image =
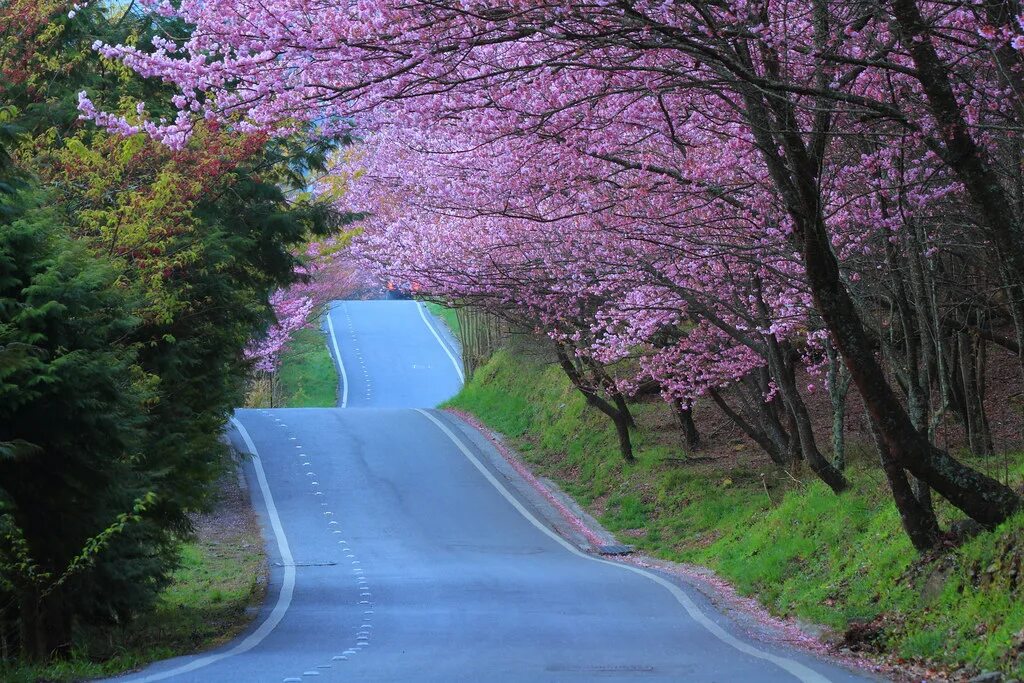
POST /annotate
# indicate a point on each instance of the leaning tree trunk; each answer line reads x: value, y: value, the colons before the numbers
x: 621, y: 419
x: 979, y: 496
x: 785, y: 379
x: 917, y: 517
x: 996, y: 210
x: 763, y: 416
x: 775, y: 451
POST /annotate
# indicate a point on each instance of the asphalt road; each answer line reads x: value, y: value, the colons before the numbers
x: 394, y: 355
x: 399, y: 554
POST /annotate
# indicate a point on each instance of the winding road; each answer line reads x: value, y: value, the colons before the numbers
x: 399, y: 552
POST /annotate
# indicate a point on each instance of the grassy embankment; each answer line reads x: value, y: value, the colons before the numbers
x: 448, y: 315
x: 803, y: 551
x: 307, y: 377
x: 221, y: 576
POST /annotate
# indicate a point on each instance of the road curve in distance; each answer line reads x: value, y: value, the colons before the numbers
x: 394, y: 354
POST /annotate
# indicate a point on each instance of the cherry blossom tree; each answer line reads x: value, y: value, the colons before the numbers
x: 715, y: 187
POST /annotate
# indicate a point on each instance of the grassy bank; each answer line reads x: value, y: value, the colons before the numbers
x: 842, y: 562
x: 448, y: 315
x: 306, y: 378
x: 221, y: 577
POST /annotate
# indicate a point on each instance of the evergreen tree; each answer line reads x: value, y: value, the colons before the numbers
x: 125, y: 307
x: 72, y: 403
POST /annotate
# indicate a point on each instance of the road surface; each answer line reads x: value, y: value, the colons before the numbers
x: 394, y: 355
x: 398, y: 554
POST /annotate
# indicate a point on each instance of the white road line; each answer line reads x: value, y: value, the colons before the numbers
x: 455, y: 363
x: 341, y: 366
x: 800, y: 671
x: 284, y: 598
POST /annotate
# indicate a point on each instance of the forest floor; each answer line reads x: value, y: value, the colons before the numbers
x: 840, y: 566
x: 213, y: 596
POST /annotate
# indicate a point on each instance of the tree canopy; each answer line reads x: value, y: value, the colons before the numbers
x: 730, y: 193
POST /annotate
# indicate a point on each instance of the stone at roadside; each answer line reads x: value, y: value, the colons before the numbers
x: 987, y: 677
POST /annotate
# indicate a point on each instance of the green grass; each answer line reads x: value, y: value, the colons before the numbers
x: 448, y: 315
x: 206, y: 605
x: 308, y: 377
x: 802, y: 550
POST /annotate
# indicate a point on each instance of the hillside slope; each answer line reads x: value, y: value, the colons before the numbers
x: 842, y: 562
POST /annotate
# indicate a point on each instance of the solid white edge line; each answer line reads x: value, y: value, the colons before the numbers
x: 800, y: 671
x: 455, y: 363
x: 284, y: 598
x: 341, y: 366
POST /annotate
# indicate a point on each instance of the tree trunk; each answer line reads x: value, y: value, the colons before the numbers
x: 622, y: 430
x: 982, y: 498
x: 918, y: 519
x: 764, y: 417
x: 45, y: 626
x: 623, y: 408
x: 602, y: 379
x: 994, y: 206
x: 684, y: 414
x: 782, y: 371
x: 979, y: 437
x: 838, y: 387
x: 777, y: 455
x: 621, y: 419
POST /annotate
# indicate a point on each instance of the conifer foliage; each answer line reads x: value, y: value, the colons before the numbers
x: 132, y: 279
